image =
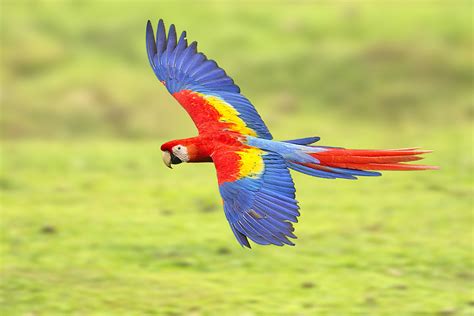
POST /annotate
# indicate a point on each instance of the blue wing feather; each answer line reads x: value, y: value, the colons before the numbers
x: 160, y: 37
x: 181, y: 67
x: 261, y: 208
x: 303, y: 141
x: 171, y: 43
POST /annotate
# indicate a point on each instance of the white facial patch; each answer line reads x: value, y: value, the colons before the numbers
x: 181, y: 152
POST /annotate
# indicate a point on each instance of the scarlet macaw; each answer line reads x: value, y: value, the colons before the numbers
x: 252, y: 169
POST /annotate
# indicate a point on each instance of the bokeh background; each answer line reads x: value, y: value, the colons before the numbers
x: 92, y: 223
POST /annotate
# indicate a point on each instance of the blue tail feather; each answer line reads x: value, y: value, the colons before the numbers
x: 303, y: 141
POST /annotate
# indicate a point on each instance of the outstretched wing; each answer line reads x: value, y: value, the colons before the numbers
x: 206, y: 92
x: 258, y: 194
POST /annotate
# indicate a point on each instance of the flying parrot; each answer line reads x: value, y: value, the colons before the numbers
x: 253, y: 170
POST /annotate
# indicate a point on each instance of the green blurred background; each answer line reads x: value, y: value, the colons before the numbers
x: 93, y: 224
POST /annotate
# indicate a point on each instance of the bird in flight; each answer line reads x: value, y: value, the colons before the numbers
x: 253, y: 174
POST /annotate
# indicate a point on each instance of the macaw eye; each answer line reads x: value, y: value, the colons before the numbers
x: 179, y: 147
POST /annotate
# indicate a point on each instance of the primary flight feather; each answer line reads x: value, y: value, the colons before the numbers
x: 252, y: 169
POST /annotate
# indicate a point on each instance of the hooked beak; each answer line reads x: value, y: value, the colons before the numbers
x: 167, y: 159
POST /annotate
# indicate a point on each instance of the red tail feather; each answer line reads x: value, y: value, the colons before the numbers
x: 361, y: 159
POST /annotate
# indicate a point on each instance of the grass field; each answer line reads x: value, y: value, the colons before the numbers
x: 93, y: 223
x: 101, y: 227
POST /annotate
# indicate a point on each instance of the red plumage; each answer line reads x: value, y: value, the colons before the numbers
x: 362, y: 159
x: 252, y: 169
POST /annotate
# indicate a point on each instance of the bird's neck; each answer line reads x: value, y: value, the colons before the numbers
x: 200, y: 148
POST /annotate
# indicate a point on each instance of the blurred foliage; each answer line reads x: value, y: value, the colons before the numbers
x: 79, y: 68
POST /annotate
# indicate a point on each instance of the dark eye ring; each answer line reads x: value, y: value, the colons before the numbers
x: 179, y: 147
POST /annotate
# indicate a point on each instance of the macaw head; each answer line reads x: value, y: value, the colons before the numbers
x: 174, y: 152
x: 184, y: 150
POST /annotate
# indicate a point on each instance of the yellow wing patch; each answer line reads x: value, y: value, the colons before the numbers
x: 251, y: 162
x: 228, y: 114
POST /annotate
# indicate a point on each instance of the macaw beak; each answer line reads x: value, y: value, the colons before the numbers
x: 167, y: 159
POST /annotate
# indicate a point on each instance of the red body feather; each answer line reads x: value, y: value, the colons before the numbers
x: 215, y: 136
x: 204, y: 115
x: 201, y: 149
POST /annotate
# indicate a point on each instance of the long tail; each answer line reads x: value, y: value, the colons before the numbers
x: 389, y: 159
x: 336, y: 162
x: 348, y: 163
